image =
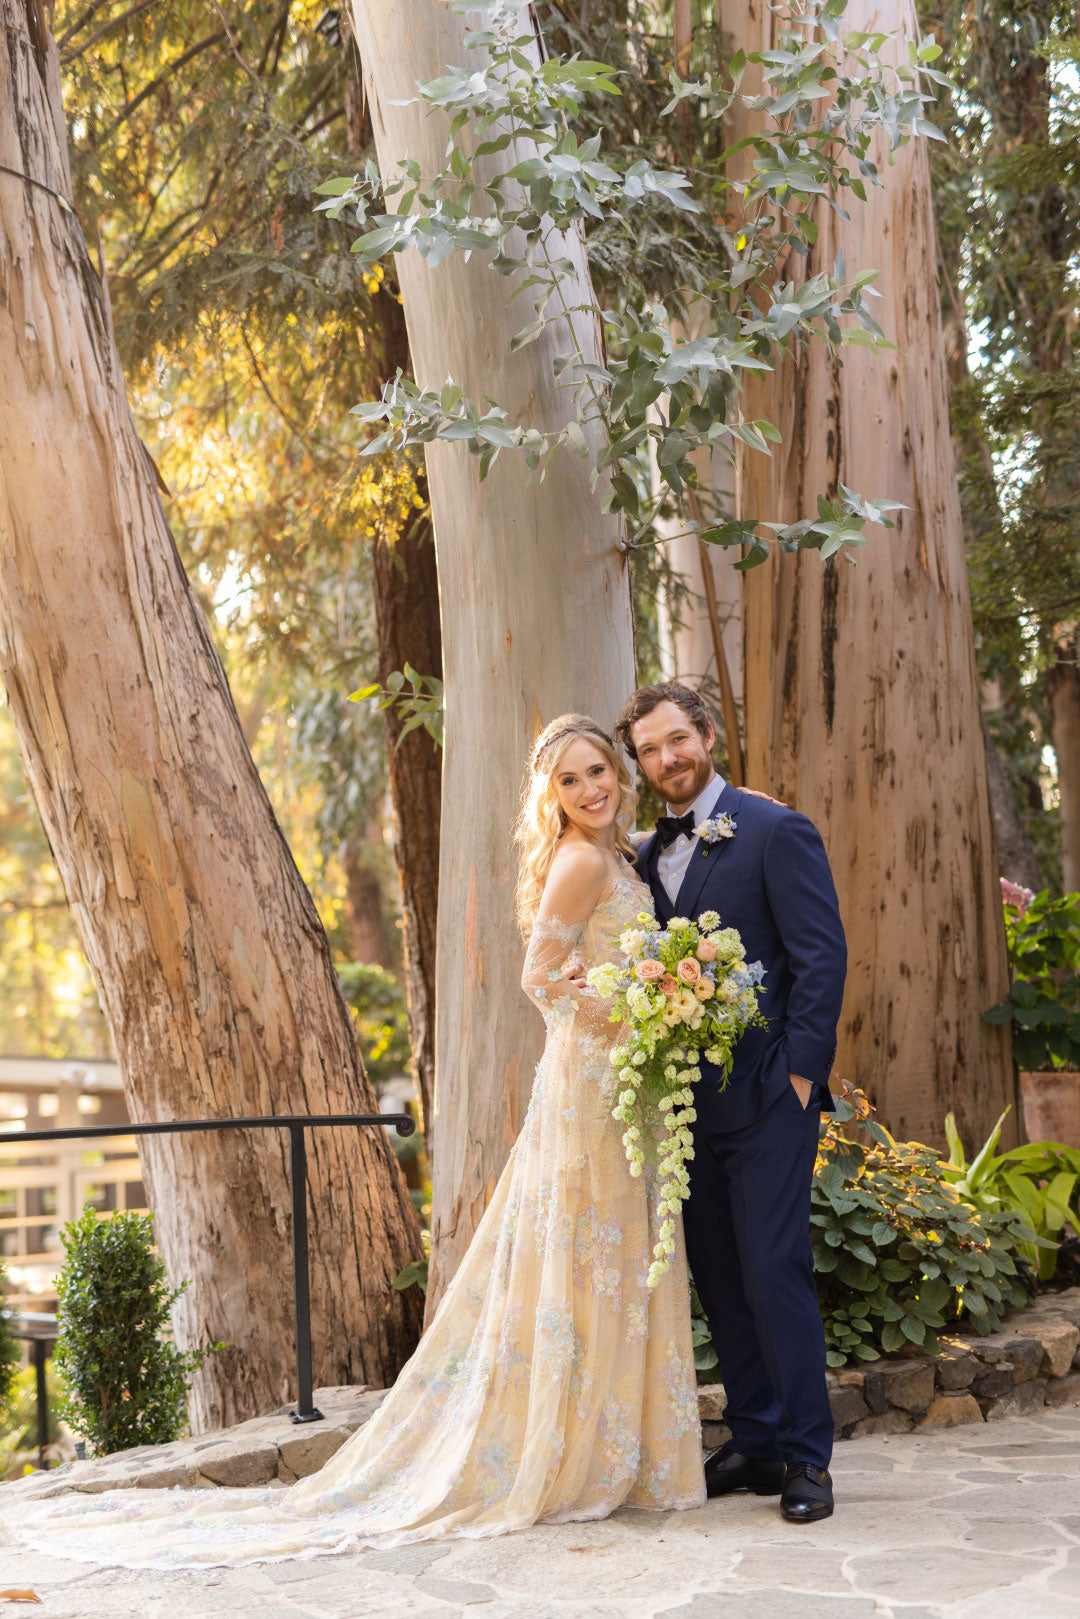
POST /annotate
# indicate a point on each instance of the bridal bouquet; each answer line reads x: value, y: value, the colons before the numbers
x: 682, y: 990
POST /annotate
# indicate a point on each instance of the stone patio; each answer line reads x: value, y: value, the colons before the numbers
x: 974, y: 1522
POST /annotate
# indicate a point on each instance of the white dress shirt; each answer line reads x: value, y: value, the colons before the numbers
x: 672, y: 862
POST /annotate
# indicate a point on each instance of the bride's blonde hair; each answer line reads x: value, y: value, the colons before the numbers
x: 542, y: 821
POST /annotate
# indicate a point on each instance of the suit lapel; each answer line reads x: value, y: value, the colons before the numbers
x: 647, y: 857
x: 704, y: 858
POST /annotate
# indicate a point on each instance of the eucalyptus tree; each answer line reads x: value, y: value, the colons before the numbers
x: 516, y: 362
x: 213, y: 968
x: 246, y: 333
x: 1007, y: 198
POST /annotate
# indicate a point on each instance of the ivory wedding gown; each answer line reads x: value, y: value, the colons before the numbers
x: 551, y: 1384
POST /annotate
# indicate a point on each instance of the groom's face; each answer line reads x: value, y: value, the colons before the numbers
x: 673, y: 754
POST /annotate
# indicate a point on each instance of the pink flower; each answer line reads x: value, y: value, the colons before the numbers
x: 689, y: 970
x: 1013, y: 894
x: 668, y: 984
x: 706, y: 950
x: 649, y: 970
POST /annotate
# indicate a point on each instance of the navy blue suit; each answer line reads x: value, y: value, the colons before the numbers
x: 747, y: 1218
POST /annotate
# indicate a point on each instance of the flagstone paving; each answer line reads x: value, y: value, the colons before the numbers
x: 979, y: 1522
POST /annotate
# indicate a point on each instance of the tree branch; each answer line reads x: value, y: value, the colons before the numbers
x: 163, y: 78
x: 132, y: 11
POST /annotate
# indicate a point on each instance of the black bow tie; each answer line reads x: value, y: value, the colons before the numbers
x: 668, y: 827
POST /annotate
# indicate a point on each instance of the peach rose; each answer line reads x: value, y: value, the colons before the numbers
x: 649, y: 970
x: 689, y: 970
x: 668, y: 984
x: 706, y: 950
x: 704, y: 989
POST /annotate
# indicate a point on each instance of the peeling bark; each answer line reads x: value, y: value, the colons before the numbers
x: 874, y: 728
x: 1063, y: 691
x: 212, y: 965
x: 536, y: 620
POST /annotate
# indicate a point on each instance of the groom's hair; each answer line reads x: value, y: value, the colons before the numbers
x: 646, y: 698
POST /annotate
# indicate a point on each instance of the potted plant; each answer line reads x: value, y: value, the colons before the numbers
x: 1043, y: 1005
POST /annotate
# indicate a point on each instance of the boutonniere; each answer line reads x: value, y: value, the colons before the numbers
x: 716, y: 830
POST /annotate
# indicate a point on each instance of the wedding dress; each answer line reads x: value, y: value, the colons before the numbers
x: 551, y: 1385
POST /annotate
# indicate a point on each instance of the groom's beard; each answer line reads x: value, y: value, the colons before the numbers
x: 687, y: 786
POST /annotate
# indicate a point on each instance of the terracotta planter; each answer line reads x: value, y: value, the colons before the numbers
x: 1051, y: 1106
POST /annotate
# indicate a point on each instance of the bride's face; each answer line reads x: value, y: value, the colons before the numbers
x: 586, y: 787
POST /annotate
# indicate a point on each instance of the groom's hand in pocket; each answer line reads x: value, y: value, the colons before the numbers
x: 803, y: 1090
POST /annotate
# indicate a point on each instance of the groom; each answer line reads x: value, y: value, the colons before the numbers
x: 747, y: 1219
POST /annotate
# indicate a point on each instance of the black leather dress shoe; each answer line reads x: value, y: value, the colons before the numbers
x: 727, y: 1470
x: 807, y: 1493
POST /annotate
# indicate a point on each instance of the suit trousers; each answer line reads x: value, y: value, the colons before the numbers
x: 747, y: 1223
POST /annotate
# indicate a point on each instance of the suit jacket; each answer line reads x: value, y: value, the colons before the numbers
x: 772, y: 882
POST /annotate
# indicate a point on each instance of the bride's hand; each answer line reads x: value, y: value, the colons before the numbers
x: 575, y: 972
x: 754, y: 792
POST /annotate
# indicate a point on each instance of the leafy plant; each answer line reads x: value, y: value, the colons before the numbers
x: 1039, y: 1181
x: 124, y: 1382
x: 420, y: 704
x: 9, y: 1346
x: 826, y: 95
x: 18, y: 1429
x: 1044, y: 1001
x: 382, y: 1021
x: 899, y: 1251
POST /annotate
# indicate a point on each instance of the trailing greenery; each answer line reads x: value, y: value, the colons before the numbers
x: 827, y: 94
x: 1038, y: 1181
x: 1044, y: 1000
x: 124, y: 1381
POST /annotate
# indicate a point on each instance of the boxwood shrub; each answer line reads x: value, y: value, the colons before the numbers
x: 124, y: 1381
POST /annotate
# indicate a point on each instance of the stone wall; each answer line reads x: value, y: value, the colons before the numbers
x: 1034, y: 1361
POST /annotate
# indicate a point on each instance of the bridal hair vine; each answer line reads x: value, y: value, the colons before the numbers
x: 547, y: 739
x: 717, y: 829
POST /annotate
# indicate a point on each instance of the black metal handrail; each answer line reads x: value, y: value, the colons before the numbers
x: 296, y: 1124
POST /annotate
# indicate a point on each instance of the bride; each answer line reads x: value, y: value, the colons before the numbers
x: 552, y: 1384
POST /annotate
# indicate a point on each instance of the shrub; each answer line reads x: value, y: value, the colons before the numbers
x: 899, y: 1252
x: 124, y: 1381
x: 18, y: 1430
x: 1043, y: 936
x: 9, y: 1347
x: 1039, y: 1181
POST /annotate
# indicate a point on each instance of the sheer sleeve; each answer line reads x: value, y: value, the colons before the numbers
x: 556, y: 937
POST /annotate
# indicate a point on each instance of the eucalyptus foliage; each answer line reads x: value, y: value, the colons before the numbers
x: 524, y: 174
x: 125, y: 1382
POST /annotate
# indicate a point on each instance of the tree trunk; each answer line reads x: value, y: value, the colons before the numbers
x: 1063, y: 690
x: 1016, y: 857
x: 861, y: 693
x: 212, y: 965
x: 536, y: 619
x: 371, y: 939
x: 406, y: 583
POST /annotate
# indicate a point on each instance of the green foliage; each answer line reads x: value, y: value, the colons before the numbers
x: 415, y: 1274
x: 898, y: 1251
x: 9, y: 1346
x: 125, y: 1383
x: 18, y: 1423
x: 1044, y: 1000
x: 562, y: 173
x: 382, y: 1024
x: 422, y: 704
x: 1006, y: 192
x: 1038, y: 1182
x: 706, y: 1360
